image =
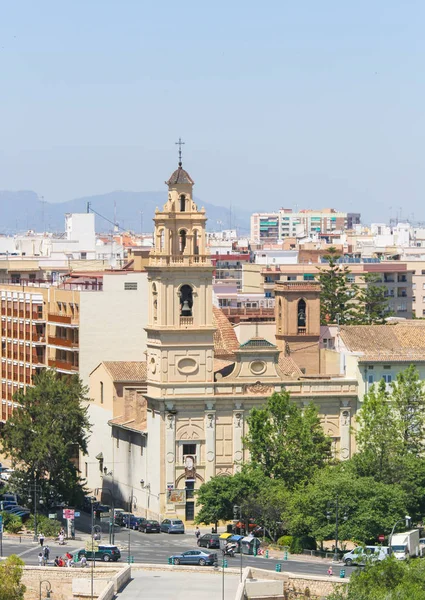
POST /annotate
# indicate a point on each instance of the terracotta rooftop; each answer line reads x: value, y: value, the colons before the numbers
x: 130, y: 424
x: 180, y: 176
x: 127, y: 371
x: 288, y: 366
x: 402, y: 341
x: 225, y: 340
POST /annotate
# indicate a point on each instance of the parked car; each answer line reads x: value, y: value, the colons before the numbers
x: 172, y: 526
x: 360, y: 555
x: 194, y: 557
x: 150, y: 526
x: 105, y: 552
x: 133, y: 522
x: 209, y: 540
x: 5, y: 473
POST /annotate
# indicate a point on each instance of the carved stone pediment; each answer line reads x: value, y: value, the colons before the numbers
x: 258, y: 388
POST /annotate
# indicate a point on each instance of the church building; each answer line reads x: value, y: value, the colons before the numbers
x: 164, y: 426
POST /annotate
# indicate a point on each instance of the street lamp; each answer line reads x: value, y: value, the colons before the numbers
x: 34, y: 488
x: 407, y: 520
x: 112, y: 519
x: 48, y: 587
x: 132, y: 501
x: 335, y: 505
x: 237, y: 510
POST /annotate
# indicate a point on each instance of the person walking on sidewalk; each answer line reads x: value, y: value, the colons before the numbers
x: 40, y: 559
x: 41, y: 539
x: 46, y: 553
x: 197, y: 533
x: 330, y: 571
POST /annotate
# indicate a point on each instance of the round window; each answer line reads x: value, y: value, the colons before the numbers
x: 187, y: 366
x: 257, y: 367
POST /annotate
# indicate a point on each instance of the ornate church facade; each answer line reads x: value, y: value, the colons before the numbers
x: 180, y: 418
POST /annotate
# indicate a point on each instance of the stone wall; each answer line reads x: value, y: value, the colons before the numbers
x: 61, y: 578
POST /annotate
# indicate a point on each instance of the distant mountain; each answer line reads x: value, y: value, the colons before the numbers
x: 22, y: 210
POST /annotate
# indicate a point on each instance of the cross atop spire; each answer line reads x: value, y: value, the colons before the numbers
x: 180, y: 144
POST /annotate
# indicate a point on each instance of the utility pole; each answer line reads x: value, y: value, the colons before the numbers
x: 238, y: 510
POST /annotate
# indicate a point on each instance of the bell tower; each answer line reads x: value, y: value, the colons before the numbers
x: 297, y: 313
x: 180, y: 346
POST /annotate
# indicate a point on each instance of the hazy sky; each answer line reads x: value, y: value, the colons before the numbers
x: 280, y: 103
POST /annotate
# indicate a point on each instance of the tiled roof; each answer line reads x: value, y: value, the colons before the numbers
x: 402, y: 341
x: 225, y: 340
x: 180, y: 176
x: 258, y: 343
x: 126, y: 423
x: 288, y: 366
x: 127, y: 371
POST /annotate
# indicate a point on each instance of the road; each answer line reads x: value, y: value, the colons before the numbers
x: 155, y: 548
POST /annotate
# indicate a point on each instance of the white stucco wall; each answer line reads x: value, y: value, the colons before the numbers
x: 112, y: 322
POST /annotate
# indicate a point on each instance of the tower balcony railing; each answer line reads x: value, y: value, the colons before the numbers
x: 186, y: 321
x: 179, y: 259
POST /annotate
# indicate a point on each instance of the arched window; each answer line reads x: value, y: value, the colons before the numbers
x: 186, y: 301
x: 155, y: 302
x: 182, y: 203
x: 161, y: 239
x: 182, y: 240
x: 302, y: 316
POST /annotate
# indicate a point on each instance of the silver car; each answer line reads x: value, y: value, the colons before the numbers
x: 172, y: 526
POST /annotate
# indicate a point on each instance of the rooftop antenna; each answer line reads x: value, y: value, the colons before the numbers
x: 180, y: 144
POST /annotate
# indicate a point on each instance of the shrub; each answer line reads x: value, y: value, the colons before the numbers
x: 11, y: 523
x: 50, y: 527
x: 299, y: 544
x: 285, y: 540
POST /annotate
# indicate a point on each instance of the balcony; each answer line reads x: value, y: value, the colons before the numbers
x: 63, y: 365
x: 63, y: 342
x: 179, y: 259
x: 61, y: 318
x: 185, y: 321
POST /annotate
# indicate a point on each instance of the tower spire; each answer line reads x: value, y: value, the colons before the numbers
x: 180, y: 144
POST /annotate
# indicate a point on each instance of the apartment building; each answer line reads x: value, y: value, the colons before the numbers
x: 395, y: 276
x: 275, y: 227
x: 70, y: 326
x: 265, y: 227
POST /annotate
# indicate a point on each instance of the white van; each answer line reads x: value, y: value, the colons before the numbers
x: 362, y: 554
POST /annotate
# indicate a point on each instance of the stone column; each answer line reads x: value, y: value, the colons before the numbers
x: 210, y: 419
x: 345, y: 430
x: 238, y: 431
x: 170, y: 445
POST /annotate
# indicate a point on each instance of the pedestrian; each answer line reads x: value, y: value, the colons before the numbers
x: 68, y: 559
x: 330, y: 571
x: 41, y: 539
x: 83, y: 561
x: 197, y: 533
x: 40, y: 559
x: 56, y: 561
x: 61, y: 562
x: 46, y: 553
x: 61, y: 539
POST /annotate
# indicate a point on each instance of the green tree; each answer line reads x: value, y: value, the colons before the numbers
x: 366, y: 508
x: 377, y: 436
x: 44, y: 434
x: 285, y: 441
x: 262, y: 499
x: 338, y: 295
x: 372, y: 303
x: 408, y: 403
x: 11, y: 587
x: 389, y: 579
